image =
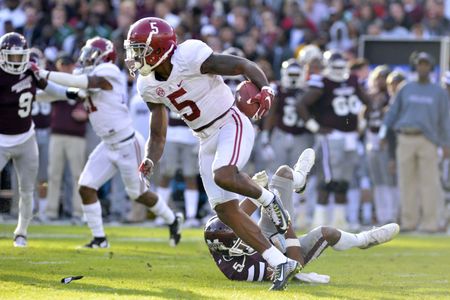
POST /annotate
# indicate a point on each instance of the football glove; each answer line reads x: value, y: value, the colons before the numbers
x: 264, y: 99
x: 261, y: 179
x: 146, y: 170
x: 76, y: 94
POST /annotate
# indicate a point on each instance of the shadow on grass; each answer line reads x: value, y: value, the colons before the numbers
x: 167, y: 293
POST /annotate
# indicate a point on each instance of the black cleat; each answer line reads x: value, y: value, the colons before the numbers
x: 97, y: 242
x: 175, y: 230
x: 276, y: 212
x: 283, y: 273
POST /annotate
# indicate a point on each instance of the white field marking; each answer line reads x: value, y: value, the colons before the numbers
x: 49, y: 262
x: 118, y: 239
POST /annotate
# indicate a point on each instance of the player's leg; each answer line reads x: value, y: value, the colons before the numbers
x: 324, y: 178
x: 189, y: 162
x: 98, y: 170
x: 55, y: 172
x: 76, y: 159
x: 128, y: 158
x: 234, y: 144
x: 26, y: 160
x: 42, y: 138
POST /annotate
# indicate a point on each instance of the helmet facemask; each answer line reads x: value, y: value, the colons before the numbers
x: 90, y: 57
x: 337, y: 70
x: 15, y: 60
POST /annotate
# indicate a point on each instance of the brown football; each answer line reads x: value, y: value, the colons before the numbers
x: 245, y: 91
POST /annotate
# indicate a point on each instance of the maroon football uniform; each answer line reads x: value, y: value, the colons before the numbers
x: 339, y: 105
x: 243, y: 268
x: 287, y: 118
x: 17, y: 93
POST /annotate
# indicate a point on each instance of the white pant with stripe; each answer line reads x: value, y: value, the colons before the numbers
x: 107, y: 159
x: 229, y: 141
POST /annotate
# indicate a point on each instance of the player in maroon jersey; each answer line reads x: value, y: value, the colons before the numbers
x: 18, y: 83
x: 330, y: 107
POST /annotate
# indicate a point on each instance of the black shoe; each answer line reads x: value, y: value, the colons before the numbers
x: 98, y: 242
x: 175, y: 230
x: 276, y: 212
x: 283, y: 273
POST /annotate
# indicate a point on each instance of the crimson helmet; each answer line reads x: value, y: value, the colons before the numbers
x: 221, y: 239
x: 336, y: 66
x: 309, y: 53
x: 97, y: 50
x: 149, y: 43
x: 37, y: 57
x: 14, y: 53
x: 292, y: 75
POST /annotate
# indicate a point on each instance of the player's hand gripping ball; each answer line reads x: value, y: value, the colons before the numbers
x: 251, y: 101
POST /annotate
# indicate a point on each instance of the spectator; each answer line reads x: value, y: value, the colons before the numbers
x: 12, y: 14
x: 420, y: 116
x: 67, y: 142
x: 32, y: 28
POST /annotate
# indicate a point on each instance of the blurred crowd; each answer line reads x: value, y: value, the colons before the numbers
x: 267, y: 32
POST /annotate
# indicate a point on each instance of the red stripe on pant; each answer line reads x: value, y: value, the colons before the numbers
x: 238, y: 139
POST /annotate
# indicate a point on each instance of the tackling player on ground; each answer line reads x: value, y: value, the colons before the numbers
x: 238, y: 261
x: 185, y: 78
x: 121, y: 148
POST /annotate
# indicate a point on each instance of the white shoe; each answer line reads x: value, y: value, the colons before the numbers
x: 20, y: 241
x: 304, y: 164
x: 380, y: 235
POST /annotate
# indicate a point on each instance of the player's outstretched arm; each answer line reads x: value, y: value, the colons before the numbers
x: 158, y: 130
x: 81, y: 81
x: 55, y: 92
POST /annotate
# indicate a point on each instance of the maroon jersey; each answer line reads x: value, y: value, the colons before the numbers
x: 17, y: 93
x: 243, y: 268
x: 62, y: 121
x: 338, y: 107
x: 40, y: 113
x: 287, y: 118
x: 175, y: 119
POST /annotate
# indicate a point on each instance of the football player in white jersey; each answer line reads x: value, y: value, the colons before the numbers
x: 186, y: 78
x: 121, y: 148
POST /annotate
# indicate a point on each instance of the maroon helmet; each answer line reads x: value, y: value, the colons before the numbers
x: 221, y: 239
x: 14, y: 53
x: 97, y: 50
x: 150, y: 42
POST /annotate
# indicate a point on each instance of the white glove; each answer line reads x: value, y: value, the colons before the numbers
x: 261, y: 179
x: 313, y: 278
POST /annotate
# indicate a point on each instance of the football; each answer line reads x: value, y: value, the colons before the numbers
x: 245, y: 91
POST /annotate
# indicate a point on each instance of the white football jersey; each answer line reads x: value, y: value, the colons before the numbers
x: 198, y: 98
x: 108, y: 111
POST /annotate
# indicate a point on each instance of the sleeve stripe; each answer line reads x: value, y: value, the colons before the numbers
x: 262, y: 271
x: 251, y: 273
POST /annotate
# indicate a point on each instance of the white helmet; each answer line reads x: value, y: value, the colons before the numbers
x: 336, y: 66
x: 309, y: 53
x: 292, y: 75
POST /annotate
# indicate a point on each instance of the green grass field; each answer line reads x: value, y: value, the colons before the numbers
x: 140, y: 264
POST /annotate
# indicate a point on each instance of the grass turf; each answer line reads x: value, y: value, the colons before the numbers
x: 140, y: 264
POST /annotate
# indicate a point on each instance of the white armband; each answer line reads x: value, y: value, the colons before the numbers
x: 80, y: 81
x: 312, y: 125
x: 292, y: 243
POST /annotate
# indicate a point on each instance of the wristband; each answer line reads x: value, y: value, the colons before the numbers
x: 312, y: 125
x: 292, y: 243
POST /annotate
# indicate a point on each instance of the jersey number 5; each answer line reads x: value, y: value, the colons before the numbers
x: 25, y: 101
x: 195, y: 111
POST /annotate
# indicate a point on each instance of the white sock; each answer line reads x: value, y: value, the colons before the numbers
x: 265, y: 198
x: 349, y: 240
x: 298, y: 180
x: 367, y: 212
x: 161, y: 209
x: 93, y: 214
x: 273, y: 256
x: 25, y: 213
x: 339, y: 213
x: 320, y: 216
x: 164, y: 193
x: 191, y: 203
x: 42, y: 206
x: 353, y: 196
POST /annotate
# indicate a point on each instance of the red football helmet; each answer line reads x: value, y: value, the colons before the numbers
x: 221, y: 239
x: 97, y: 50
x: 14, y: 53
x: 150, y: 42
